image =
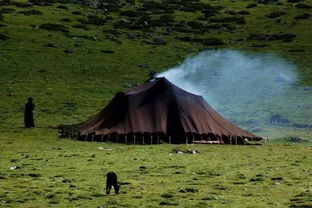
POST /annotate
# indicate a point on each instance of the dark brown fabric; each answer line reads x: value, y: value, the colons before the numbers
x: 159, y: 107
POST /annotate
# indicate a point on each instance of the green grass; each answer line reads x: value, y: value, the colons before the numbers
x: 68, y: 173
x: 68, y: 88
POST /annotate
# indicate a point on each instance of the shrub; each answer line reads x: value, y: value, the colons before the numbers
x: 7, y: 10
x: 213, y: 42
x: 76, y: 13
x: 286, y: 37
x: 66, y: 20
x: 62, y: 7
x: 94, y: 20
x: 303, y: 6
x: 54, y: 27
x: 30, y: 12
x: 238, y: 20
x: 4, y: 37
x: 276, y: 14
x: 303, y: 16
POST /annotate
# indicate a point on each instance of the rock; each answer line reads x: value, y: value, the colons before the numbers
x: 159, y: 41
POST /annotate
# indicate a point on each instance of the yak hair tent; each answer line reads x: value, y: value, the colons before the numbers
x: 158, y: 111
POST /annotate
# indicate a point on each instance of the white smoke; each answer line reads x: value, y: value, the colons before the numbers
x: 239, y: 85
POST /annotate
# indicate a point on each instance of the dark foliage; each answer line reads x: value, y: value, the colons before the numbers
x: 267, y: 1
x: 66, y: 20
x: 54, y: 27
x: 62, y: 7
x: 76, y: 13
x: 251, y: 6
x: 294, y: 1
x: 4, y: 37
x: 94, y: 20
x: 235, y: 19
x: 81, y: 26
x: 7, y: 11
x: 31, y: 12
x: 286, y: 37
x: 304, y: 6
x: 303, y: 16
x: 276, y: 14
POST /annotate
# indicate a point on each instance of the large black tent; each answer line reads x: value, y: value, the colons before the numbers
x: 157, y: 111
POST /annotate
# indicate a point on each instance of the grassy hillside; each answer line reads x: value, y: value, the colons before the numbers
x: 72, y: 59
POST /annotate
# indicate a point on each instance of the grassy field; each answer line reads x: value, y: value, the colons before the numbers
x: 72, y: 60
x: 55, y: 172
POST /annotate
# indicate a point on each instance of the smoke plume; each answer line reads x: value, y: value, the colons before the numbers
x: 245, y: 88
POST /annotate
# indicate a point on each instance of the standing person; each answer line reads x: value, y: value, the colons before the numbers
x: 29, y: 117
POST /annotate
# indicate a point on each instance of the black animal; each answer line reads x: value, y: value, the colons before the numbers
x: 111, y: 181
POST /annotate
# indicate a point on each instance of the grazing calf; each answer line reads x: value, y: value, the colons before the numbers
x: 111, y: 180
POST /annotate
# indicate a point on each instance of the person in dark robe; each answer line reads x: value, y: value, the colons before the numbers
x: 29, y: 117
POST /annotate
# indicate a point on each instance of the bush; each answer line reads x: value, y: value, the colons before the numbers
x: 276, y: 14
x: 4, y: 37
x: 303, y: 16
x: 213, y: 42
x: 62, y: 7
x: 30, y: 12
x: 303, y: 6
x: 286, y: 37
x: 238, y: 20
x: 54, y: 27
x: 94, y: 20
x: 7, y: 10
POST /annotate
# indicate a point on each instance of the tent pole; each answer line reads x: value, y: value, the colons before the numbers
x: 143, y: 139
x: 169, y: 139
x: 186, y: 139
x: 157, y: 137
x: 231, y: 139
x: 108, y: 138
x: 134, y: 137
x: 126, y: 139
x: 102, y: 138
x: 86, y: 137
x: 92, y: 137
x: 236, y: 140
x: 151, y: 138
